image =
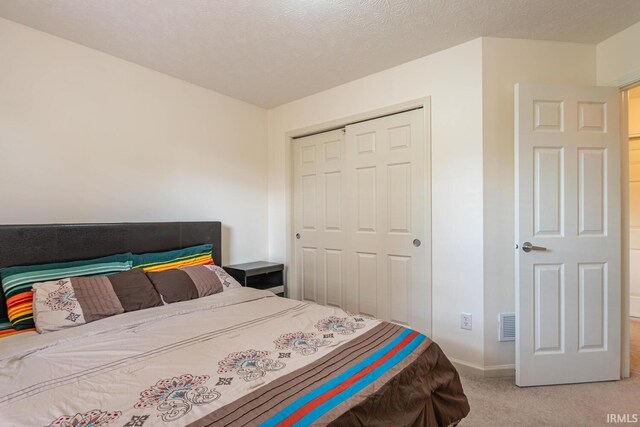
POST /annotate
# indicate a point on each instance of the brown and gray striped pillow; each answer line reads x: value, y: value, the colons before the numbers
x: 75, y: 301
x: 186, y: 283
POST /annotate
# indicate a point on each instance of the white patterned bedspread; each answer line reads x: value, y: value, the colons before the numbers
x: 172, y: 364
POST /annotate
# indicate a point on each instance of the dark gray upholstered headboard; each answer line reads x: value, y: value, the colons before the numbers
x: 39, y: 244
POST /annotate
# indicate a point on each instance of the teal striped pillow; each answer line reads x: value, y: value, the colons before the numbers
x: 18, y: 281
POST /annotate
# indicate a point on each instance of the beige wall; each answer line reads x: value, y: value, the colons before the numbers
x: 86, y: 137
x: 619, y: 58
x: 505, y: 63
x: 453, y: 79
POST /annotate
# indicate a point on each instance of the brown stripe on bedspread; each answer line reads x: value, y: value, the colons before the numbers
x: 261, y: 404
x: 428, y: 392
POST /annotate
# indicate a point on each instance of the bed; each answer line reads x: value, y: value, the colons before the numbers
x: 240, y: 357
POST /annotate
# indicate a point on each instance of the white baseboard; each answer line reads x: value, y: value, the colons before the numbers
x: 491, y: 371
x: 495, y: 371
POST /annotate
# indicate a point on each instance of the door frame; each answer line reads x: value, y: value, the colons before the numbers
x: 289, y: 136
x: 625, y: 260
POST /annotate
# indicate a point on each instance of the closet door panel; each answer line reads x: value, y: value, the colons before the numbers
x: 334, y: 277
x: 386, y: 219
x: 319, y: 217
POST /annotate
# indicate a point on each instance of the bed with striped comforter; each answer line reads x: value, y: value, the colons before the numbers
x: 242, y: 357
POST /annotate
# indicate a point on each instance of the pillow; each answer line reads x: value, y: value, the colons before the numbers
x: 17, y: 282
x: 186, y: 283
x: 134, y: 290
x: 6, y: 328
x: 228, y: 282
x: 161, y: 261
x: 74, y: 301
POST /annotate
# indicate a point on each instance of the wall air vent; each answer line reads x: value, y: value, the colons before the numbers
x: 507, y: 326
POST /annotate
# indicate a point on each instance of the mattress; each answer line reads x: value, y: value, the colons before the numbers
x: 240, y: 357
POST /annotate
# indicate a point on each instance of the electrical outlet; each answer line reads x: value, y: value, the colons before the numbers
x: 465, y: 321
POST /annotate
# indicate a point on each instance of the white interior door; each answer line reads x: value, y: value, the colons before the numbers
x: 567, y: 201
x: 319, y: 217
x: 387, y: 213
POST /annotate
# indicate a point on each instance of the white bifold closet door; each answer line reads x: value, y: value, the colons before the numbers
x: 360, y: 215
x: 319, y: 214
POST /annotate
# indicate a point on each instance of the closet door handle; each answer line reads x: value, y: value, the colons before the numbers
x: 417, y: 243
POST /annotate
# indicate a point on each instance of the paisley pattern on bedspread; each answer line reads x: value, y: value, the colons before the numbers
x: 174, y: 397
x: 249, y: 364
x: 93, y: 418
x: 340, y: 325
x: 300, y: 342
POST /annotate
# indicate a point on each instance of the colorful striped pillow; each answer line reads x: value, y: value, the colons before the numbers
x: 161, y: 261
x: 17, y: 282
x: 6, y: 328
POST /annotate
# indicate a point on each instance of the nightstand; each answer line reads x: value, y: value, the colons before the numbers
x: 260, y: 275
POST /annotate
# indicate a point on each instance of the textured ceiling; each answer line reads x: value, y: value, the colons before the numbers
x: 269, y: 52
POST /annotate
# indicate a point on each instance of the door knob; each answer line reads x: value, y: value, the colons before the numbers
x: 298, y: 236
x: 417, y: 243
x: 528, y: 247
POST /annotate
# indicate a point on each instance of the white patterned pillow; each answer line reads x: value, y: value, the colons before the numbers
x: 56, y: 306
x: 227, y: 281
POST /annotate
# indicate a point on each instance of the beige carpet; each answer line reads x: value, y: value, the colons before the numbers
x: 499, y: 402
